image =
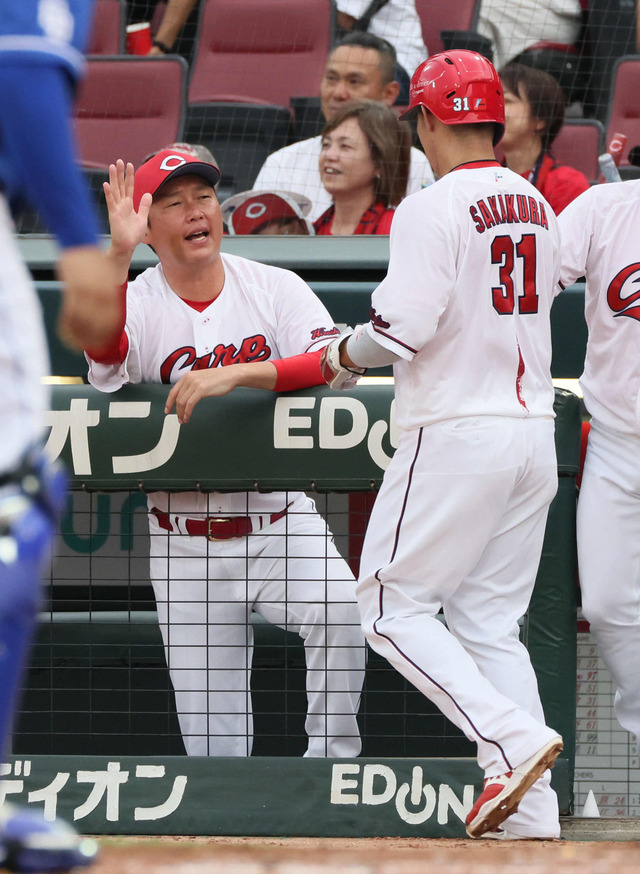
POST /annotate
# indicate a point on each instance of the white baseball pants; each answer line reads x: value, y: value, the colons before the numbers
x: 292, y: 575
x: 23, y: 352
x: 459, y: 525
x: 608, y: 529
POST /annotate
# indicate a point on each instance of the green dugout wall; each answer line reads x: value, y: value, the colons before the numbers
x: 342, y: 271
x: 316, y: 440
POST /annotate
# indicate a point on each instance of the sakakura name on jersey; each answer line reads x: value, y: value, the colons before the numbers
x: 502, y: 209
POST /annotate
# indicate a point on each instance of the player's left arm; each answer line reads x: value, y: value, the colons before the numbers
x: 216, y: 382
x: 575, y: 223
x: 303, y: 328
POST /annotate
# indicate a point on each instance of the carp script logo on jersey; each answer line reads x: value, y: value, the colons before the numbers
x: 622, y: 297
x: 253, y: 348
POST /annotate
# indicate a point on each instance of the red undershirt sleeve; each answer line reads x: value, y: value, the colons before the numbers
x: 298, y: 371
x: 117, y: 350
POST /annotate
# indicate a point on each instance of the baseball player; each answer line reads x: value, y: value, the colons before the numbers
x: 215, y: 557
x: 600, y: 241
x: 40, y: 59
x: 463, y: 314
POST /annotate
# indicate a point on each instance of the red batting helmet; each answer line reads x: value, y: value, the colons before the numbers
x: 459, y: 87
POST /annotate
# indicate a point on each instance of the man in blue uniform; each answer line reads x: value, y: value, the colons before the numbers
x: 40, y: 63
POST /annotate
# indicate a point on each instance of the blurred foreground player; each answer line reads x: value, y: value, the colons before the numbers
x: 463, y: 314
x: 40, y: 60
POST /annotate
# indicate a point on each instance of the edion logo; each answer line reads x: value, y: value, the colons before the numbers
x: 415, y: 801
x: 623, y: 294
x: 172, y: 161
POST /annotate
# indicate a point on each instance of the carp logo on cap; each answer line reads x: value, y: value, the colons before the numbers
x: 255, y: 210
x: 172, y: 161
x: 248, y: 211
x: 166, y: 165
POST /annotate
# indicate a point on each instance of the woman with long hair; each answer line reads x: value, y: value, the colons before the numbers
x: 364, y: 165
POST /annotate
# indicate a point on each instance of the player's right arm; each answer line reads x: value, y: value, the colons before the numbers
x: 127, y: 226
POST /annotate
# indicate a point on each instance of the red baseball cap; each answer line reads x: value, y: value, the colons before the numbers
x: 166, y: 165
x: 247, y: 211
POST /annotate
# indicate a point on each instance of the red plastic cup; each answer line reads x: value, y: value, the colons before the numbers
x: 138, y: 39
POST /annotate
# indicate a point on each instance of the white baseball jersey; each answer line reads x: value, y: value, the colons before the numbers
x: 295, y: 168
x: 514, y: 27
x: 398, y: 23
x: 462, y: 303
x: 600, y: 240
x: 459, y: 521
x: 263, y: 313
x: 289, y: 572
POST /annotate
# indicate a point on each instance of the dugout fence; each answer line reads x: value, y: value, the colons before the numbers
x: 97, y: 681
x: 98, y: 740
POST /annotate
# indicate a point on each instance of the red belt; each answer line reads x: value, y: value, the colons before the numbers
x: 218, y: 527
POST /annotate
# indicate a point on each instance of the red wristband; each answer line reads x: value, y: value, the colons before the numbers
x: 299, y: 371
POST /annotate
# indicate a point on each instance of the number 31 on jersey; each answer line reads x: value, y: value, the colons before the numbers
x: 511, y: 256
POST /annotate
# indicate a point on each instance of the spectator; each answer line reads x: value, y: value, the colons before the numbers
x: 216, y: 557
x: 534, y: 112
x: 176, y: 32
x: 515, y: 27
x: 267, y: 213
x: 364, y: 165
x: 398, y: 22
x: 360, y: 67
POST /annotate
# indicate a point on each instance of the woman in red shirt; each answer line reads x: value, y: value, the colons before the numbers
x: 534, y: 113
x: 364, y: 165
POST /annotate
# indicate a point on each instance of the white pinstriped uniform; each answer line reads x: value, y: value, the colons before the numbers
x: 460, y: 518
x: 600, y: 241
x: 290, y: 572
x: 23, y: 352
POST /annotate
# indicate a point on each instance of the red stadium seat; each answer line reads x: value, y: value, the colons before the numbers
x: 578, y: 144
x: 130, y: 106
x: 107, y: 33
x: 438, y: 15
x: 624, y: 104
x: 260, y: 52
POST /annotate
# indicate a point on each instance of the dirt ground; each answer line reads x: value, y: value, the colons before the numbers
x: 218, y: 855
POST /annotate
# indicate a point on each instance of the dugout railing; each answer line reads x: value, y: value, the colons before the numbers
x: 99, y: 708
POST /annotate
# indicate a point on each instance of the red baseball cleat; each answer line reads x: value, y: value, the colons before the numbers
x: 501, y: 795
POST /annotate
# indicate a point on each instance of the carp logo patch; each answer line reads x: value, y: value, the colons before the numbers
x: 623, y: 294
x: 171, y: 162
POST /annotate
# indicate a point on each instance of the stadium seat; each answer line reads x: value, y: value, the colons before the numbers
x: 437, y: 16
x: 241, y: 136
x: 130, y: 106
x: 611, y: 30
x: 578, y: 144
x: 263, y: 52
x: 624, y: 105
x: 107, y: 33
x: 309, y: 120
